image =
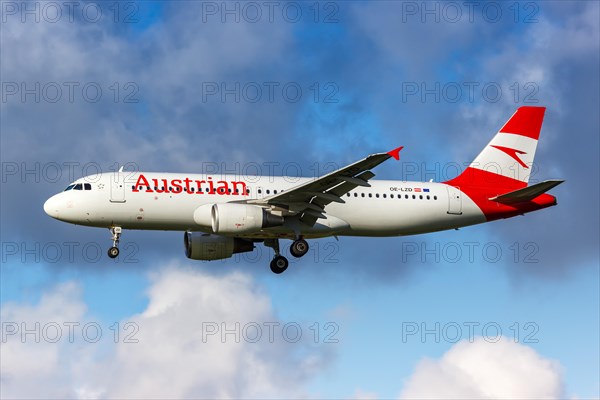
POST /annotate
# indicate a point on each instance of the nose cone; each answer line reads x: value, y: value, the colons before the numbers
x: 51, y: 207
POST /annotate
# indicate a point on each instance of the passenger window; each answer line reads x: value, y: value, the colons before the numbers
x: 406, y: 196
x: 87, y: 186
x: 427, y: 197
x: 370, y: 194
x: 420, y: 197
x: 362, y: 195
x: 377, y: 195
x: 275, y: 191
x: 435, y: 197
x: 259, y: 191
x: 414, y: 197
x: 384, y: 195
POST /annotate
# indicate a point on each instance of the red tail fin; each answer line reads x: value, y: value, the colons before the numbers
x: 504, y: 166
x: 506, y: 161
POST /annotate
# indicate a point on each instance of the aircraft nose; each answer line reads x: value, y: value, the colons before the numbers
x: 51, y: 207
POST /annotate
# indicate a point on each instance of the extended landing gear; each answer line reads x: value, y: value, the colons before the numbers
x: 279, y: 262
x: 299, y: 248
x: 113, y: 252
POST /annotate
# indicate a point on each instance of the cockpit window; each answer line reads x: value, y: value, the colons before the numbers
x: 87, y: 186
x: 69, y: 187
x: 79, y: 186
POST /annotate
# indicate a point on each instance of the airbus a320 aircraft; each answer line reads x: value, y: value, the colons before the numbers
x: 226, y: 215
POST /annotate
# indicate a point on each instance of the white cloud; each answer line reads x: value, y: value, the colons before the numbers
x: 171, y: 358
x: 30, y: 364
x: 481, y: 369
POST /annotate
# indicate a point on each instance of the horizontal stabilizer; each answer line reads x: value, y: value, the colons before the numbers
x: 526, y: 194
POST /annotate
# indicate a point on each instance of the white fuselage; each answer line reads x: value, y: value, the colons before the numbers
x: 386, y: 208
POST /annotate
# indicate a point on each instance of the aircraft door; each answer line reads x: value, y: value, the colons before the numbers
x: 454, y: 200
x: 117, y: 188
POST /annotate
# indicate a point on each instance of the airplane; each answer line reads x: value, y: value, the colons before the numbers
x: 227, y: 215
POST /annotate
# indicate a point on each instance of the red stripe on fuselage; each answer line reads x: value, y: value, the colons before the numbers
x: 480, y: 186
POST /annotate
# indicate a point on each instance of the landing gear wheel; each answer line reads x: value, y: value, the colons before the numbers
x: 113, y: 252
x: 279, y: 264
x: 299, y: 248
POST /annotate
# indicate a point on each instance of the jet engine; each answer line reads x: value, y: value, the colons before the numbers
x: 234, y: 218
x: 204, y: 246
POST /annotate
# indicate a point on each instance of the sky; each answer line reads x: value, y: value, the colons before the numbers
x: 509, y: 309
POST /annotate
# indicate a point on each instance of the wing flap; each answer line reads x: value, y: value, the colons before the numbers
x: 339, y: 191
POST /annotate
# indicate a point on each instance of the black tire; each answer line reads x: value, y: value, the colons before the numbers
x: 113, y: 252
x: 279, y: 264
x: 299, y: 248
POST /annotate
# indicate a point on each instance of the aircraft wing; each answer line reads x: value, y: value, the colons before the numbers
x: 310, y: 199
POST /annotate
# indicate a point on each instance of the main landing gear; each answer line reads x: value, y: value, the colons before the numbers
x: 299, y: 248
x: 279, y: 263
x: 113, y: 252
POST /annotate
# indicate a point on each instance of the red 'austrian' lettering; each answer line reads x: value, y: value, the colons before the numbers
x: 189, y: 186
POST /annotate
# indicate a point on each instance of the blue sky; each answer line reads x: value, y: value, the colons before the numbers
x: 357, y: 65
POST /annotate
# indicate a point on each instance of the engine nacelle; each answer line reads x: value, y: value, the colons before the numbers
x: 204, y: 246
x: 232, y: 218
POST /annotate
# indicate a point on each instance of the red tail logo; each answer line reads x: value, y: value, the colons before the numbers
x: 513, y: 153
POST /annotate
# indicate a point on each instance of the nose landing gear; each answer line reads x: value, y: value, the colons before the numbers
x: 113, y: 252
